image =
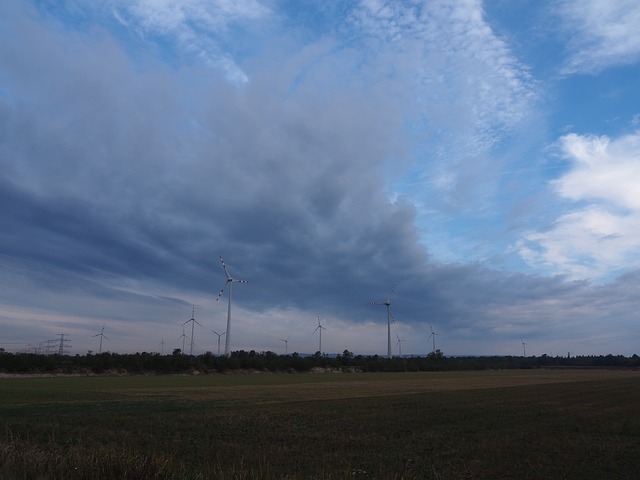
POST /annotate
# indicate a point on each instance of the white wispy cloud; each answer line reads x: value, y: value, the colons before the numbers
x: 603, y: 33
x: 453, y: 48
x: 195, y: 26
x: 601, y: 237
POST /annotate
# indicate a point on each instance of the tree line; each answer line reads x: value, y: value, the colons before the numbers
x: 238, y: 361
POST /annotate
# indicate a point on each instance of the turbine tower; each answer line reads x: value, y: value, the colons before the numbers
x: 319, y: 328
x: 433, y: 337
x: 219, y: 335
x: 389, y: 319
x: 230, y: 281
x: 524, y: 348
x: 193, y: 324
x: 101, y: 335
x: 286, y: 344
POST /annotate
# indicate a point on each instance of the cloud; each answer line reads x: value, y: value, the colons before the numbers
x: 601, y: 236
x: 603, y: 34
x: 199, y: 28
x: 461, y: 70
x: 603, y: 170
x: 466, y: 94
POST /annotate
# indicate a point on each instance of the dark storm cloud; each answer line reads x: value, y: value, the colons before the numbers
x: 108, y: 174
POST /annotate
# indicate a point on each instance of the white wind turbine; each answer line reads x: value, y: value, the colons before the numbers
x: 524, y: 348
x: 286, y: 344
x: 433, y: 338
x: 389, y: 319
x: 193, y: 324
x: 219, y: 335
x: 183, y: 337
x: 230, y: 281
x: 101, y: 335
x: 399, y: 344
x: 319, y: 328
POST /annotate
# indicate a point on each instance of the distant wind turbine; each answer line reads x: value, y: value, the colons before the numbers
x: 433, y: 337
x: 319, y: 328
x: 219, y: 335
x: 230, y: 281
x: 162, y: 346
x: 389, y: 318
x: 286, y: 344
x: 524, y: 348
x: 399, y: 344
x: 183, y: 336
x: 101, y: 335
x: 193, y: 324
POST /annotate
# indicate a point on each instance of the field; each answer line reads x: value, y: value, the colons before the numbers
x: 522, y: 424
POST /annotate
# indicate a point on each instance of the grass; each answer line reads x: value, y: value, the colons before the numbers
x: 467, y: 425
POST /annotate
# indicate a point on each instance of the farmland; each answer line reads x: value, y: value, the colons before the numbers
x: 487, y: 424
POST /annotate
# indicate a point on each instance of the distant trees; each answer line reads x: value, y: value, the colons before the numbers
x: 177, y: 362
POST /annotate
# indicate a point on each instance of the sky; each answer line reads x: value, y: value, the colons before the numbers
x: 480, y: 158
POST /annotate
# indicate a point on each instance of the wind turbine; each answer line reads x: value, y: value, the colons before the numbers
x: 524, y: 348
x: 183, y: 336
x: 389, y: 319
x: 399, y: 344
x: 230, y: 281
x: 433, y: 337
x: 162, y: 346
x: 193, y: 324
x: 286, y: 344
x: 319, y: 328
x: 101, y: 335
x: 219, y: 335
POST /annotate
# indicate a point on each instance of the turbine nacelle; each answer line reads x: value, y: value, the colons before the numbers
x: 387, y: 303
x: 319, y: 327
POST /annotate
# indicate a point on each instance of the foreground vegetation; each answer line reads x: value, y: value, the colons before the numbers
x: 573, y: 424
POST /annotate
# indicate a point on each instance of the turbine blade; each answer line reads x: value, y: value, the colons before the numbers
x: 226, y: 272
x: 222, y: 290
x: 391, y: 293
